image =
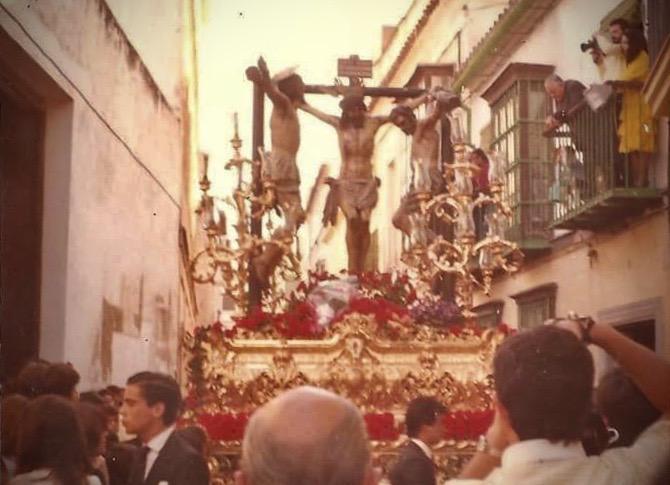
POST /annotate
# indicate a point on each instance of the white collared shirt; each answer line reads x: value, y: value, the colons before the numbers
x: 539, y: 451
x: 424, y: 447
x: 155, y: 445
x: 540, y: 462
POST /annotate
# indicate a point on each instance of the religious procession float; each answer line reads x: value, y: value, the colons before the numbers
x: 378, y: 339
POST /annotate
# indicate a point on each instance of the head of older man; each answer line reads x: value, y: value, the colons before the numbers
x: 306, y: 436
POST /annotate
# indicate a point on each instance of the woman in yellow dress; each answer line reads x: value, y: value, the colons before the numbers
x: 636, y: 126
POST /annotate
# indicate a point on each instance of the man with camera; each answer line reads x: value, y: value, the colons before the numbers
x: 605, y: 52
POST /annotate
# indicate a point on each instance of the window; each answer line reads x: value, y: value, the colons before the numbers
x: 643, y: 332
x: 536, y: 305
x: 489, y: 314
x: 519, y: 106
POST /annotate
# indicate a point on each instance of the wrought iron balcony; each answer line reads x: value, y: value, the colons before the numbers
x: 594, y: 186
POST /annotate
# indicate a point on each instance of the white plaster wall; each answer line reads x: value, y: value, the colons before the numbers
x: 631, y: 266
x: 122, y: 212
x: 154, y: 28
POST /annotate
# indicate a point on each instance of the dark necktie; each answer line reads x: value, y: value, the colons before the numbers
x: 137, y: 477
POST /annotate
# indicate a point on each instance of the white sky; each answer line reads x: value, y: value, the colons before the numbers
x: 310, y: 33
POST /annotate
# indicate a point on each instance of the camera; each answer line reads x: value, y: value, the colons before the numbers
x: 589, y: 44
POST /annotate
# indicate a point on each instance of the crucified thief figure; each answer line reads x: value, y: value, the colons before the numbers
x: 428, y: 179
x: 355, y: 191
x: 286, y: 91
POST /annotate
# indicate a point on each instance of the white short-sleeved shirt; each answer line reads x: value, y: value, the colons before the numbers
x: 540, y: 462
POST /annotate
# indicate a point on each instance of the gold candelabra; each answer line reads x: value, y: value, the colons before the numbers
x: 473, y: 262
x: 226, y: 261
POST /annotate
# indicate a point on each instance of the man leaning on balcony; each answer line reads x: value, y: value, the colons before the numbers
x: 543, y: 380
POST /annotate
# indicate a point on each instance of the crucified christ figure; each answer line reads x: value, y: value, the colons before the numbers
x: 285, y: 90
x: 355, y: 191
x: 428, y: 179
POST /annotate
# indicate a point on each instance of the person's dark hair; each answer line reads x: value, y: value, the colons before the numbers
x: 406, y: 112
x: 114, y: 390
x: 194, y: 436
x: 402, y: 110
x: 60, y: 379
x: 157, y: 387
x: 12, y: 408
x: 117, y: 394
x: 422, y: 411
x: 347, y: 104
x: 293, y: 87
x: 51, y: 437
x: 94, y: 424
x: 481, y: 154
x: 624, y: 406
x: 636, y: 44
x: 543, y: 377
x: 595, y: 436
x: 30, y: 380
x: 352, y: 101
x: 623, y: 23
x: 92, y: 397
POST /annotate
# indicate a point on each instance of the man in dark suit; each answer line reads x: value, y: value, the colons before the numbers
x: 425, y: 428
x: 151, y: 404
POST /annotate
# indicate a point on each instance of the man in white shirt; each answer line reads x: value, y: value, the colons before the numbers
x: 543, y: 383
x: 425, y: 428
x: 151, y: 405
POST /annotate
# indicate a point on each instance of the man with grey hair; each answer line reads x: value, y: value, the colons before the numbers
x: 566, y: 95
x: 306, y: 436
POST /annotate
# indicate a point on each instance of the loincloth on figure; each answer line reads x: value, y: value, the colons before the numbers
x: 428, y: 178
x: 280, y: 166
x: 282, y: 171
x: 356, y: 198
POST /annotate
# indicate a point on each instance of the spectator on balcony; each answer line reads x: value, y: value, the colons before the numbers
x: 567, y: 95
x: 636, y: 126
x: 606, y: 52
x: 480, y: 183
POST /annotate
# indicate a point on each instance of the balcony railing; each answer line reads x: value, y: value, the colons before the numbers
x: 593, y: 184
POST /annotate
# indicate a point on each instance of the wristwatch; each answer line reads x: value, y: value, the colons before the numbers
x: 483, y: 447
x: 585, y: 324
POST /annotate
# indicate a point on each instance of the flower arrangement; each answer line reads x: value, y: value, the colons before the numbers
x: 467, y: 425
x: 459, y: 425
x: 224, y: 426
x: 381, y: 426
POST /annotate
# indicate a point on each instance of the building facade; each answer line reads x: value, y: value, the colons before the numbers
x: 97, y: 161
x: 601, y: 247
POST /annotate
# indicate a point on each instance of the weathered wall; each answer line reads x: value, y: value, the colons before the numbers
x: 119, y: 285
x: 628, y: 267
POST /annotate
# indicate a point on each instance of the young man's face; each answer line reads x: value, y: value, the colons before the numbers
x: 616, y: 32
x: 137, y: 416
x: 434, y: 433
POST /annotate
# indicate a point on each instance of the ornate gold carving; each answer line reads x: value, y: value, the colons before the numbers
x: 357, y: 359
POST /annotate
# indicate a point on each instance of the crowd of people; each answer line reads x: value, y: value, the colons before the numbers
x: 52, y: 435
x: 550, y: 427
x: 623, y: 64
